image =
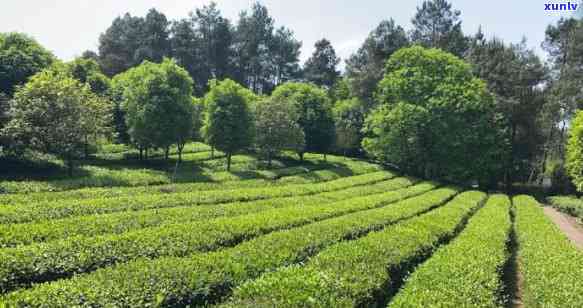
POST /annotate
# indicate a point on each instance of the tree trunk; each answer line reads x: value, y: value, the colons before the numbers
x: 269, y: 160
x: 180, y: 148
x: 325, y: 158
x: 301, y: 155
x: 86, y: 147
x: 166, y: 152
x: 212, y: 152
x: 141, y: 156
x: 70, y: 165
x: 228, y: 161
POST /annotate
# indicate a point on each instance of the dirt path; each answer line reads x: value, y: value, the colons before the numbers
x: 567, y: 224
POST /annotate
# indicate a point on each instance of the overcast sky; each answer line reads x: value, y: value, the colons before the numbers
x: 68, y: 27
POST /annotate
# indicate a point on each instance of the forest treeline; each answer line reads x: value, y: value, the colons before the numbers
x: 434, y: 101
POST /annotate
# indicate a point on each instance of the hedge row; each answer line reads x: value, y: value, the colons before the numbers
x: 23, y: 265
x: 115, y: 223
x: 550, y: 264
x: 55, y: 210
x: 468, y: 272
x: 362, y: 272
x: 304, y: 175
x: 570, y: 205
x: 204, y: 278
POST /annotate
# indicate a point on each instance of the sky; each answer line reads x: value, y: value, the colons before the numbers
x: 69, y: 27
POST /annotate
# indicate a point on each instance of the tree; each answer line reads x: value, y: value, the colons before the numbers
x: 54, y: 113
x: 365, y: 68
x: 574, y: 153
x: 197, y: 118
x: 436, y: 25
x: 564, y: 44
x: 452, y: 130
x: 20, y: 58
x: 88, y: 71
x: 315, y: 114
x: 228, y: 124
x: 202, y: 44
x: 321, y: 67
x: 396, y: 135
x: 130, y: 40
x: 263, y: 58
x: 285, y: 54
x: 277, y: 128
x: 4, y: 105
x: 349, y: 116
x: 515, y: 75
x: 253, y: 37
x: 157, y: 102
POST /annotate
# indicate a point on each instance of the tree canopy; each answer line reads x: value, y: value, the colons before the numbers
x: 277, y: 128
x: 228, y: 124
x: 321, y: 67
x: 455, y: 134
x: 437, y: 25
x: 20, y: 57
x: 54, y: 113
x: 315, y: 114
x: 157, y: 101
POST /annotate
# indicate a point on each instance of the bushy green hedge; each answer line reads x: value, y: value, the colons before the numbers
x: 305, y: 175
x: 23, y: 265
x: 359, y: 273
x: 42, y: 211
x: 550, y: 264
x: 93, y: 225
x: 568, y: 204
x: 467, y: 272
x: 204, y: 278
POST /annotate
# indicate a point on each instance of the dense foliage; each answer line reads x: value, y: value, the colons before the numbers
x: 20, y: 57
x: 444, y: 126
x: 157, y: 102
x: 315, y: 114
x: 574, y: 153
x: 54, y: 113
x: 277, y: 128
x: 228, y: 124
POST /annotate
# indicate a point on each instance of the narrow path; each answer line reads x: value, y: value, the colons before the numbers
x: 567, y: 224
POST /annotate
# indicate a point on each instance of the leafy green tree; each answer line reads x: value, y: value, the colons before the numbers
x: 54, y: 113
x: 131, y: 39
x: 285, y: 54
x: 396, y: 135
x: 228, y: 124
x: 88, y: 71
x: 564, y: 45
x: 264, y: 58
x: 340, y: 90
x: 451, y: 114
x: 254, y: 32
x: 157, y: 101
x: 349, y: 116
x: 514, y: 75
x: 321, y: 67
x: 277, y: 128
x: 20, y: 58
x: 365, y: 68
x: 436, y: 25
x: 574, y: 152
x: 202, y: 44
x: 315, y: 114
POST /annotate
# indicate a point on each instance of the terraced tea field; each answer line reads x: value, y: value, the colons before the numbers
x: 340, y: 233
